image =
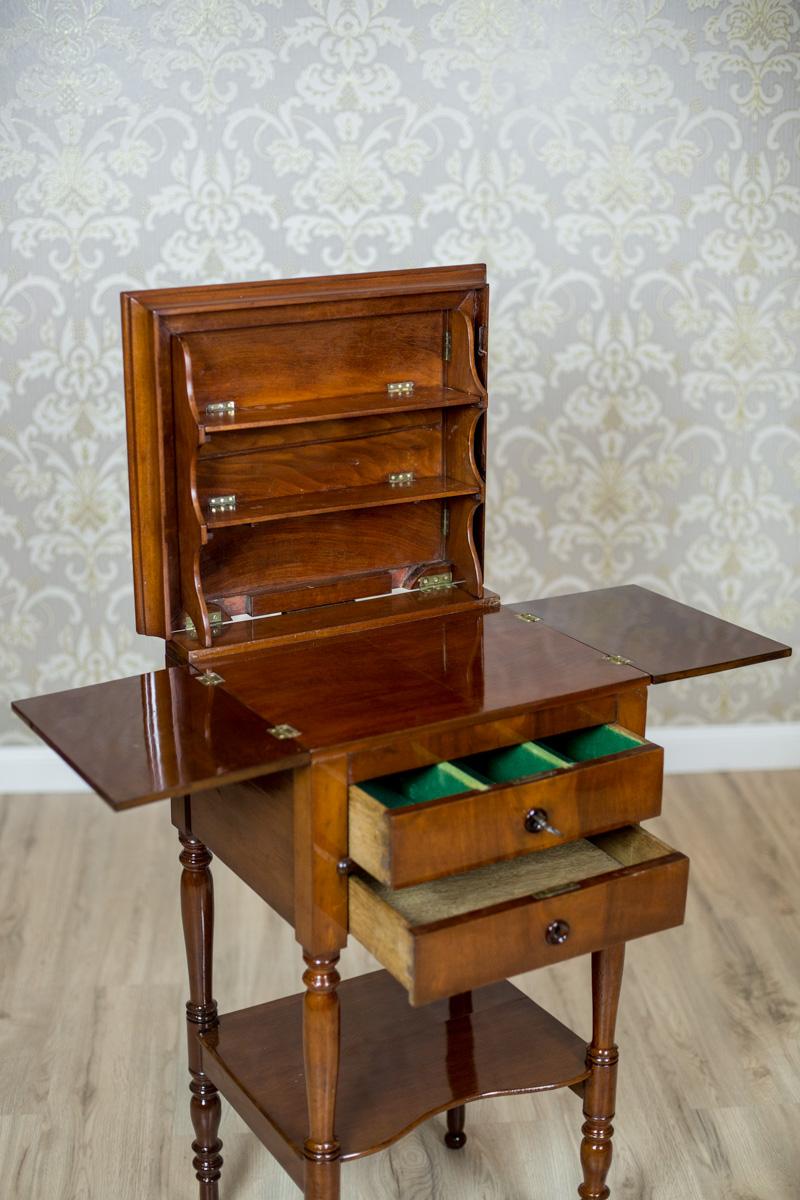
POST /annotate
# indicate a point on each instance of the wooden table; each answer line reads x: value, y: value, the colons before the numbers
x: 393, y: 757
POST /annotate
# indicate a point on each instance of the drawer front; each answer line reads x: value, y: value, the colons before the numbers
x: 435, y: 955
x: 415, y: 842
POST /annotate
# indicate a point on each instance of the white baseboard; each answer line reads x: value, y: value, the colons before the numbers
x: 36, y: 769
x: 692, y: 749
x: 688, y: 749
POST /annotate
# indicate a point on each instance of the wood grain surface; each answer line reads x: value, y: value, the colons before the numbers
x: 93, y: 987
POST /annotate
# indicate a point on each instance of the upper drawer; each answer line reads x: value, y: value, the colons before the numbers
x: 423, y: 824
x: 453, y: 935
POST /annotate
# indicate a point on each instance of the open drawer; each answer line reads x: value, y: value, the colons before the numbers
x: 456, y: 934
x: 450, y: 817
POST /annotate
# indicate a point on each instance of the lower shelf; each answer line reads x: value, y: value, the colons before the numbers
x: 399, y: 1065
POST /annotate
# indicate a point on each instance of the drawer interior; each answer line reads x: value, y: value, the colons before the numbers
x: 424, y: 783
x: 446, y: 936
x: 533, y: 875
x: 477, y: 772
x: 581, y: 745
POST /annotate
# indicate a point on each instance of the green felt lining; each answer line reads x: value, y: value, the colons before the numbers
x: 425, y: 783
x: 584, y: 744
x: 512, y: 762
x: 477, y: 772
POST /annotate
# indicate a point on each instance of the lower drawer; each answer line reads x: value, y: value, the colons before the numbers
x: 456, y: 934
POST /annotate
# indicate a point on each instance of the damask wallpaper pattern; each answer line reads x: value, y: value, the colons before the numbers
x: 629, y: 170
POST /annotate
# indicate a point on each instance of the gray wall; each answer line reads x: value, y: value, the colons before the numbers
x: 629, y: 172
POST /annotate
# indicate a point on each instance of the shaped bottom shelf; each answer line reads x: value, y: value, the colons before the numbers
x: 398, y: 1066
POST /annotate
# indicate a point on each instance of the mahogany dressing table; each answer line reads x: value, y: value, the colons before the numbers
x: 361, y: 732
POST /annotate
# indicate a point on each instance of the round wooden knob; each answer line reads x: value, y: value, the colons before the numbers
x: 557, y: 933
x: 536, y: 819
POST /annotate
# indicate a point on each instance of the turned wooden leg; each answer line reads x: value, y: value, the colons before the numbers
x: 601, y: 1086
x: 455, y: 1138
x: 197, y: 911
x: 321, y: 1057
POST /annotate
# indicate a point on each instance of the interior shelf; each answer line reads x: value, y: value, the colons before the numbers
x: 328, y: 620
x: 398, y: 1065
x: 306, y: 504
x: 328, y: 408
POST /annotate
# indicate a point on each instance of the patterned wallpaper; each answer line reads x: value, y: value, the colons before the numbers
x: 627, y: 168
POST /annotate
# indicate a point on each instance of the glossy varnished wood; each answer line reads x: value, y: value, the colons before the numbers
x: 156, y: 735
x: 329, y: 346
x: 250, y: 827
x: 197, y: 911
x: 454, y: 671
x: 601, y: 1087
x: 398, y: 1065
x: 665, y: 639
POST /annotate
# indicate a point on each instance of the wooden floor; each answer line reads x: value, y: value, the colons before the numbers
x: 93, y: 1095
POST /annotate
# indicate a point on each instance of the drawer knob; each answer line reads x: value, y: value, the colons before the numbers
x: 557, y: 933
x: 537, y: 820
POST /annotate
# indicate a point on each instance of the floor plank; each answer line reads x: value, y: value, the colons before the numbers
x: 93, y: 1100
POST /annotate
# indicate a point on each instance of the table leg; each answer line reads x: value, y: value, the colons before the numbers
x: 601, y: 1086
x: 197, y: 911
x: 456, y: 1138
x: 321, y: 1057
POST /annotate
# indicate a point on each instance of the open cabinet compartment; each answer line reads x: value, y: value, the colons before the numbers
x: 322, y: 451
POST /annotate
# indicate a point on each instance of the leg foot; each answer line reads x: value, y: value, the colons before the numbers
x: 455, y: 1138
x: 197, y: 910
x: 600, y: 1088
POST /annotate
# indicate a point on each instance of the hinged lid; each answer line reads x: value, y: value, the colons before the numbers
x: 156, y: 735
x: 303, y: 443
x: 632, y: 626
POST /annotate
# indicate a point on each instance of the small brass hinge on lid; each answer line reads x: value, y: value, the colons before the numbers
x: 283, y: 732
x: 529, y: 616
x: 447, y: 345
x: 618, y: 660
x: 224, y: 408
x: 436, y: 583
x: 400, y: 387
x: 216, y: 618
x: 220, y: 504
x: 210, y: 679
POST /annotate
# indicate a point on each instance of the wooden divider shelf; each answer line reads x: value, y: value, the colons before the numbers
x: 326, y: 408
x: 399, y: 1065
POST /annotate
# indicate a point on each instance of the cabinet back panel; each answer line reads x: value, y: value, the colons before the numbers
x: 273, y: 363
x: 414, y: 444
x: 238, y: 561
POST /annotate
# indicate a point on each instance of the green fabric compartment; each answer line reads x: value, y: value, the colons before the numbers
x: 512, y: 762
x: 583, y: 744
x: 426, y: 783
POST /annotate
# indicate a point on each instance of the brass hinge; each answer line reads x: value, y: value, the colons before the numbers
x: 445, y: 521
x: 618, y: 660
x: 401, y: 478
x: 215, y: 619
x: 436, y: 583
x: 210, y: 678
x: 401, y: 387
x: 283, y: 732
x: 528, y: 616
x: 220, y: 504
x: 482, y: 339
x: 225, y: 408
x: 447, y: 347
